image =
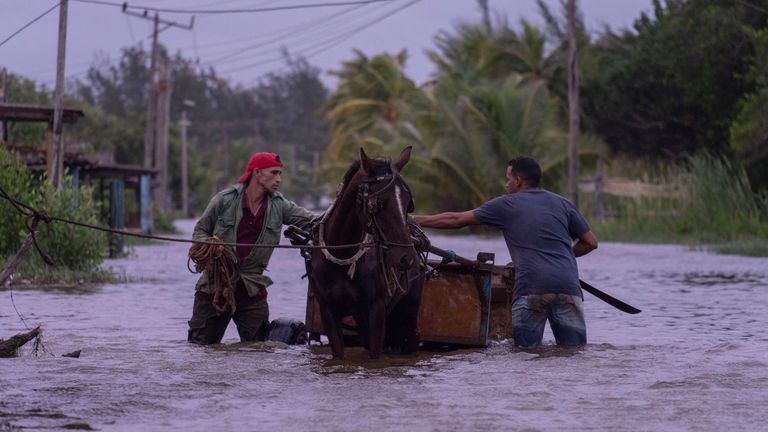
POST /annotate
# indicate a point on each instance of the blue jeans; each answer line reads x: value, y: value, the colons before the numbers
x: 565, y: 314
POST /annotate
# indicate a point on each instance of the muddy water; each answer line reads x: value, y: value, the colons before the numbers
x: 696, y: 358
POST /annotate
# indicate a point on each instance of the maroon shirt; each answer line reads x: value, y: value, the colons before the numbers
x: 248, y: 231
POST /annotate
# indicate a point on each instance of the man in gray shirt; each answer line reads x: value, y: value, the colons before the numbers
x: 539, y: 228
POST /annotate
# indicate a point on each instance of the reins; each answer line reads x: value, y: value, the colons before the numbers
x: 368, y: 202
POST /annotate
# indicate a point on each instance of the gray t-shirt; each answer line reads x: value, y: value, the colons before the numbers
x: 539, y: 227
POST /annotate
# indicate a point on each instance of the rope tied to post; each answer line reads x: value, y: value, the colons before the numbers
x: 35, y: 215
x: 218, y: 262
x: 20, y: 207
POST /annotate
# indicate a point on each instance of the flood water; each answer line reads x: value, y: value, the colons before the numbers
x: 695, y: 359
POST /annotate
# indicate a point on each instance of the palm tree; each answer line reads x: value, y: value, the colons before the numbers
x: 371, y: 92
x: 525, y: 52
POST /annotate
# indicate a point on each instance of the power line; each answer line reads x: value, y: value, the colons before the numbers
x: 29, y: 23
x: 308, y: 32
x: 231, y: 11
x: 338, y: 39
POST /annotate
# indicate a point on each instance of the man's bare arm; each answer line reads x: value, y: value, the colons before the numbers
x: 585, y: 244
x: 447, y: 220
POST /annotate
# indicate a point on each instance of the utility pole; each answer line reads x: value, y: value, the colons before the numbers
x: 483, y: 5
x: 56, y: 151
x: 3, y: 98
x: 151, y: 99
x: 184, y: 124
x: 573, y: 107
x: 149, y: 133
x: 161, y: 138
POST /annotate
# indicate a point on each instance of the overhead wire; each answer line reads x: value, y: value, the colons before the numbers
x: 328, y: 43
x: 318, y: 46
x: 285, y: 38
x: 230, y: 11
x: 301, y: 27
x: 130, y: 29
x: 30, y: 23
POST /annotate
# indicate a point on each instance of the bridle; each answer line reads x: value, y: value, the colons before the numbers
x: 371, y: 205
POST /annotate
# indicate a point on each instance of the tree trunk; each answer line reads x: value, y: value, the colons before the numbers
x: 8, y: 348
x: 573, y: 107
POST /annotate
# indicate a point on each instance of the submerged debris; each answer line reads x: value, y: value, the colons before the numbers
x: 9, y: 348
x: 73, y: 354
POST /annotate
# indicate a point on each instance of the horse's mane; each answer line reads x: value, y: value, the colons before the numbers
x: 354, y: 167
x: 351, y: 171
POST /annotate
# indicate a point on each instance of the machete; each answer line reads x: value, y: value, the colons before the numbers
x: 613, y: 301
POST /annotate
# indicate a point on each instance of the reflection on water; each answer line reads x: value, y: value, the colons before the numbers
x: 743, y: 280
x: 694, y: 359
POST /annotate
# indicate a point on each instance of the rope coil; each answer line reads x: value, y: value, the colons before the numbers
x: 219, y: 262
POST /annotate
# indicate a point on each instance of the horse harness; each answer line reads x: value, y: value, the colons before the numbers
x: 370, y: 203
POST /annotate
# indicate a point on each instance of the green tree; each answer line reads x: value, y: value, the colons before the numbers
x: 749, y: 131
x: 293, y: 124
x: 25, y: 91
x: 672, y: 87
x: 375, y: 107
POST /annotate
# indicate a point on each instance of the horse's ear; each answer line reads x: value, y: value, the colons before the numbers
x: 365, y: 161
x: 405, y: 156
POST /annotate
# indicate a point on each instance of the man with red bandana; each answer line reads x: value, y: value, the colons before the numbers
x: 250, y: 212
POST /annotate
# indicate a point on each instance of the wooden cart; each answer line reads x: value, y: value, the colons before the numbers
x: 462, y: 304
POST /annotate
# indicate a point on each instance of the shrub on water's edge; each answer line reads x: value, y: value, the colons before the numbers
x: 163, y: 222
x: 720, y: 204
x: 19, y: 184
x: 73, y: 248
x: 748, y: 247
x: 717, y: 208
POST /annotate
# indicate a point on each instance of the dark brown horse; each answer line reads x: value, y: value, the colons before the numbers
x: 379, y: 286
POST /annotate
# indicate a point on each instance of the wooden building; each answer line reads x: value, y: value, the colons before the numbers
x: 110, y: 179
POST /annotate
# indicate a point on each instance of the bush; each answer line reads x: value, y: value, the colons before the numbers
x: 715, y: 205
x: 18, y: 183
x: 76, y: 248
x: 721, y: 204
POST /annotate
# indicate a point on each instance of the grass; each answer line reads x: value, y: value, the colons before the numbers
x: 716, y: 209
x: 36, y: 274
x: 749, y: 247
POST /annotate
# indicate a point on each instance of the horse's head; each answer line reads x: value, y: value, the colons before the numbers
x: 384, y: 201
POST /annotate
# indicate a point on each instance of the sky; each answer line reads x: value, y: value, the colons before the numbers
x: 243, y: 47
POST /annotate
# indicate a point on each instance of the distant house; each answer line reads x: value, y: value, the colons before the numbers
x: 120, y: 210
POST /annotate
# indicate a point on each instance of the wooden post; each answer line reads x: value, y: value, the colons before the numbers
x: 161, y: 139
x: 16, y: 260
x: 3, y: 98
x: 599, y: 186
x: 145, y: 204
x: 149, y: 133
x: 116, y: 215
x: 56, y: 154
x: 483, y: 4
x: 573, y: 107
x: 184, y: 123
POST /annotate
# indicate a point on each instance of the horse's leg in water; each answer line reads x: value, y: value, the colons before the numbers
x: 402, y: 321
x: 361, y: 321
x: 377, y: 316
x: 408, y: 316
x: 330, y: 317
x: 332, y: 326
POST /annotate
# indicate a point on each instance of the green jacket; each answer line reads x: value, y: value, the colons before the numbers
x: 221, y: 218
